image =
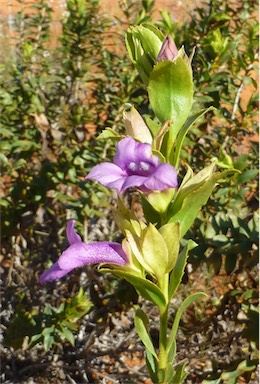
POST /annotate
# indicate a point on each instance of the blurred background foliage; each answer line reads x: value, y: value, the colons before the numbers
x: 56, y: 100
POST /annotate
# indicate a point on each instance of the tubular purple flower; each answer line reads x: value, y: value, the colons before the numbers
x: 79, y: 254
x: 135, y: 166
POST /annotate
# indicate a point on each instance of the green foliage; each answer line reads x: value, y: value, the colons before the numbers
x: 226, y: 53
x: 249, y: 315
x: 224, y: 67
x: 51, y: 98
x: 229, y: 238
x: 43, y: 93
x: 168, y: 101
x: 141, y: 325
x: 52, y: 102
x: 242, y: 368
x: 48, y: 326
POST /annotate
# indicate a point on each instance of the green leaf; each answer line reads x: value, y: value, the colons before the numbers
x: 48, y: 342
x: 183, y: 132
x: 145, y: 288
x: 4, y: 132
x: 248, y: 175
x: 67, y: 334
x: 193, y: 196
x: 24, y: 145
x: 108, y: 133
x: 48, y: 338
x: 152, y: 366
x: 171, y: 346
x: 178, y: 270
x: 170, y: 93
x: 3, y: 159
x: 230, y: 377
x: 247, y: 365
x: 180, y: 374
x: 34, y: 339
x: 168, y: 374
x: 141, y: 323
x: 171, y: 235
x: 154, y: 250
x: 152, y: 125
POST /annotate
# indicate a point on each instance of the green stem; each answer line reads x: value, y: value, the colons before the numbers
x: 163, y: 339
x: 163, y: 353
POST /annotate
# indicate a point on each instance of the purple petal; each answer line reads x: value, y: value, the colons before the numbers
x: 164, y: 177
x: 134, y: 181
x: 135, y: 166
x: 72, y: 236
x: 54, y: 273
x: 108, y: 174
x: 125, y: 152
x: 129, y: 150
x: 143, y: 152
x: 80, y: 254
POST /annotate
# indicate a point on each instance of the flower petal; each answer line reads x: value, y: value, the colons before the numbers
x: 108, y: 174
x: 125, y: 152
x: 72, y: 236
x: 129, y: 150
x: 164, y: 177
x: 79, y: 254
x: 53, y: 273
x: 133, y: 181
x: 143, y: 152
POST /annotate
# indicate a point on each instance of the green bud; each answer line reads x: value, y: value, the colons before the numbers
x: 154, y: 250
x: 134, y: 244
x: 160, y: 200
x: 171, y: 234
x: 143, y: 43
x: 150, y: 250
x: 126, y: 220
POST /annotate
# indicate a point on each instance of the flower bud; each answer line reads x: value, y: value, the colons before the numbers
x: 168, y: 51
x: 136, y: 127
x: 150, y: 250
x: 160, y: 200
x: 143, y: 43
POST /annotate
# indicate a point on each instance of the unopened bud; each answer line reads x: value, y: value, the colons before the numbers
x: 136, y: 127
x: 168, y: 51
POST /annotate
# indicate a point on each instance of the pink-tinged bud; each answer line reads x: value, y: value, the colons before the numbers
x: 168, y: 51
x: 135, y: 126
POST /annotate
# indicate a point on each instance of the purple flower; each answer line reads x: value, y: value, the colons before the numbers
x: 135, y: 166
x: 79, y: 254
x: 168, y: 51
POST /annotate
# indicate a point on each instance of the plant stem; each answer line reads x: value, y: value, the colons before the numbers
x: 163, y: 339
x: 163, y: 354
